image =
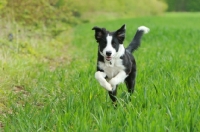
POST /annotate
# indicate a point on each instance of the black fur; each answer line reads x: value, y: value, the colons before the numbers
x: 135, y: 43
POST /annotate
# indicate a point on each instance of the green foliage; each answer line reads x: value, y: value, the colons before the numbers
x: 193, y: 5
x: 55, y: 93
x: 70, y: 11
x: 183, y: 5
x: 39, y: 12
x: 2, y: 4
x: 128, y: 7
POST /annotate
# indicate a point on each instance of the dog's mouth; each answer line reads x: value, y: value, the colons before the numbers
x: 108, y: 58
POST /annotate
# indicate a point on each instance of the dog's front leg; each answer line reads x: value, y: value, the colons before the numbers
x: 119, y: 78
x: 100, y: 76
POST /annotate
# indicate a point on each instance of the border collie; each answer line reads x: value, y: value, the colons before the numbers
x: 116, y: 64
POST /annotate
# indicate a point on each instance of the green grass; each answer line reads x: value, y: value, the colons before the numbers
x: 37, y: 97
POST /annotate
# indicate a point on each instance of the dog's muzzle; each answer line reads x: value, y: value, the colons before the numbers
x: 108, y: 55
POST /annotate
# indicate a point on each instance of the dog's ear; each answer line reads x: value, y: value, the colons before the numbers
x: 120, y: 33
x: 99, y: 32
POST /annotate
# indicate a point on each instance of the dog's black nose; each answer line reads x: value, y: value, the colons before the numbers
x: 108, y: 53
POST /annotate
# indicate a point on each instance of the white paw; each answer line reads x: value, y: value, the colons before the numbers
x: 108, y: 87
x: 113, y: 82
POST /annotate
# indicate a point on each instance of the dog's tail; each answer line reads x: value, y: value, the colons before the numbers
x: 135, y: 43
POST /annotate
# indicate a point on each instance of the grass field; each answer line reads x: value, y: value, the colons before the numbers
x: 50, y: 86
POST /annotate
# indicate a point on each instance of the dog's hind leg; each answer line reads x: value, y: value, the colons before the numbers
x: 130, y: 82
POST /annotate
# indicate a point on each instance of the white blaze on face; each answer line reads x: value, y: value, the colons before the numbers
x: 121, y: 51
x: 109, y: 47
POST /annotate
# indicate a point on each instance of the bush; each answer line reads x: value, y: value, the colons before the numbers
x: 38, y: 11
x: 193, y: 5
x: 3, y: 3
x: 183, y: 5
x: 70, y: 11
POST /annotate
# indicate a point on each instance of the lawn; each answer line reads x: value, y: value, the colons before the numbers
x: 47, y: 84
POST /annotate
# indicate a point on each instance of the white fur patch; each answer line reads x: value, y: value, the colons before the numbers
x: 119, y: 78
x: 143, y: 28
x: 109, y: 46
x: 121, y: 51
x: 112, y: 68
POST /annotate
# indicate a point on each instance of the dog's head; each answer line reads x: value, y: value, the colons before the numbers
x: 110, y: 43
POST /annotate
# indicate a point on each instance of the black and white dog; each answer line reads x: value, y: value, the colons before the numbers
x: 116, y: 64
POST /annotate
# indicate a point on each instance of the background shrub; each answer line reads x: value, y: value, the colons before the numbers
x: 71, y: 11
x: 183, y: 5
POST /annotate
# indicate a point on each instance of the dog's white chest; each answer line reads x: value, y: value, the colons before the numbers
x: 111, y: 68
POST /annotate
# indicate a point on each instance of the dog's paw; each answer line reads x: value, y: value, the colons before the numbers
x: 108, y: 87
x: 113, y: 82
